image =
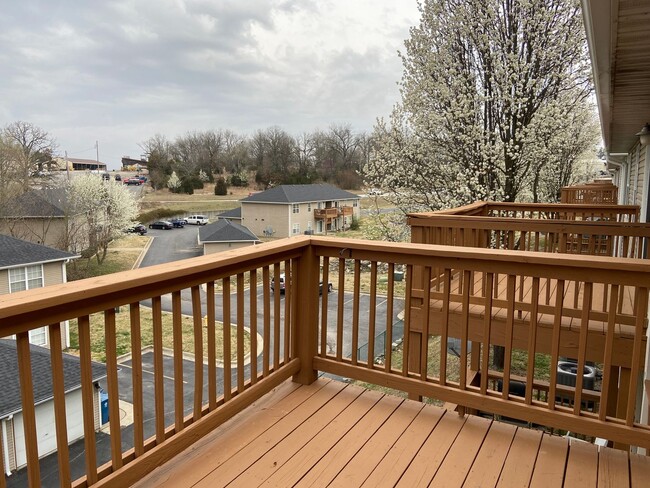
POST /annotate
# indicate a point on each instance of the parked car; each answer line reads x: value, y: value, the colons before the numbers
x: 118, y: 178
x: 137, y: 229
x: 197, y: 219
x: 143, y: 179
x: 161, y: 224
x: 106, y: 176
x: 179, y: 223
x: 132, y: 181
x: 282, y: 285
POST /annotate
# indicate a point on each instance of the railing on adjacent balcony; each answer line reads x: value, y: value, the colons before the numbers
x: 598, y: 192
x: 477, y: 300
x: 326, y: 213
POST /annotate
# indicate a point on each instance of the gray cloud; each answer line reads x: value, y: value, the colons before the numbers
x: 121, y: 71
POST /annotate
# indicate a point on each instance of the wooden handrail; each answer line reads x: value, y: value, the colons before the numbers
x: 461, y: 293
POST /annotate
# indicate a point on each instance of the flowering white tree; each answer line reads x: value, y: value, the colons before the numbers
x: 101, y: 210
x: 174, y: 182
x: 489, y: 92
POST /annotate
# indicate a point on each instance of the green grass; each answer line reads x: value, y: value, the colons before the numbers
x: 123, y: 335
x: 122, y: 255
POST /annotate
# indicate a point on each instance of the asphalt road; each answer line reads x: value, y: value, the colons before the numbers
x: 172, y: 245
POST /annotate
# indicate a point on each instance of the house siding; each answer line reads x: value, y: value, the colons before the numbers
x: 4, y: 281
x: 50, y: 232
x: 53, y: 273
x: 257, y: 217
x: 214, y: 247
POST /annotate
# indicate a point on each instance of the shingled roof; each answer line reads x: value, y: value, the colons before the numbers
x: 233, y: 213
x: 300, y: 194
x: 41, y: 375
x: 47, y: 202
x: 16, y: 252
x: 225, y: 231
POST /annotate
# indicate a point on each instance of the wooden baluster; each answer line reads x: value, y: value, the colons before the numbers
x: 58, y: 391
x: 582, y: 345
x: 606, y: 392
x: 252, y: 277
x: 341, y: 308
x: 424, y: 336
x: 136, y: 379
x: 159, y: 373
x: 212, y: 344
x: 324, y: 304
x: 510, y: 322
x: 445, y: 326
x: 240, y: 331
x: 641, y: 313
x: 464, y: 332
x: 87, y: 393
x: 355, y: 311
x: 487, y: 330
x: 28, y: 410
x: 407, y: 320
x: 372, y: 316
x: 197, y: 316
x: 266, y: 352
x: 110, y: 340
x: 532, y: 341
x: 227, y: 341
x: 276, y: 314
x: 290, y: 276
x: 388, y: 354
x: 177, y: 334
x: 555, y: 344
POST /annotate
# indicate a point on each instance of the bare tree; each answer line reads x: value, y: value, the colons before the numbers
x: 35, y: 149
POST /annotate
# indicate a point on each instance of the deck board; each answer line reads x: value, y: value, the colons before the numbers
x: 333, y: 434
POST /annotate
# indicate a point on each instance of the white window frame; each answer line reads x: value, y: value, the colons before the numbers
x: 296, y: 229
x: 295, y: 208
x: 13, y: 280
x: 309, y: 207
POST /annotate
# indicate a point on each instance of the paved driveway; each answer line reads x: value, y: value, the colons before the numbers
x: 172, y: 245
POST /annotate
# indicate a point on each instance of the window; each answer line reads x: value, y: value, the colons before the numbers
x: 295, y: 208
x: 309, y: 207
x: 320, y: 205
x: 296, y: 229
x: 25, y: 278
x: 355, y: 203
x: 28, y: 278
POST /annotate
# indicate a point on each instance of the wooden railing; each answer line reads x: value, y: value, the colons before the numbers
x: 326, y: 213
x: 573, y: 229
x: 599, y: 192
x: 591, y: 309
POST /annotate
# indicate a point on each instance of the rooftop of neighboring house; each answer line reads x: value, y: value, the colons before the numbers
x: 41, y: 375
x: 300, y: 194
x: 46, y: 202
x: 224, y: 230
x: 17, y: 252
x: 234, y: 213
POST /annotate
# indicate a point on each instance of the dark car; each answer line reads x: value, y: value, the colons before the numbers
x: 133, y: 181
x: 118, y: 178
x: 179, y: 223
x: 161, y: 224
x: 106, y: 176
x: 137, y: 229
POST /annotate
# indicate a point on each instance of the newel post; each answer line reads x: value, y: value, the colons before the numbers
x: 305, y: 323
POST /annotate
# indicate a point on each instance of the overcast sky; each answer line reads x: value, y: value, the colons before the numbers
x: 120, y: 71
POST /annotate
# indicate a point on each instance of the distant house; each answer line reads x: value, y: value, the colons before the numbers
x: 131, y: 164
x: 37, y: 216
x: 233, y: 214
x: 289, y: 210
x: 224, y: 235
x: 12, y: 435
x: 77, y: 164
x: 25, y: 266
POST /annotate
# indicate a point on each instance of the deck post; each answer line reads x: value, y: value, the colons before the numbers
x: 305, y: 325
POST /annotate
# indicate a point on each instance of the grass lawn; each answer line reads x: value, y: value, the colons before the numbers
x: 123, y: 333
x: 122, y: 255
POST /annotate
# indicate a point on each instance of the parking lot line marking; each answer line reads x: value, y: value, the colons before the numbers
x: 152, y: 373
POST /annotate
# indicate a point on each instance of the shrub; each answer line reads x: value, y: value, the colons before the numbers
x: 159, y: 214
x: 221, y: 187
x: 354, y: 225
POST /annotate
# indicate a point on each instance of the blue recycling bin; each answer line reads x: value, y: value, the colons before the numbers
x: 103, y: 400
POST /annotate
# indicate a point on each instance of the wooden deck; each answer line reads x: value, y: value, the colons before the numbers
x: 333, y: 434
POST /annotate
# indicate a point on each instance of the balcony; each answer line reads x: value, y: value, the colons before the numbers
x: 599, y: 192
x: 245, y: 421
x: 326, y: 213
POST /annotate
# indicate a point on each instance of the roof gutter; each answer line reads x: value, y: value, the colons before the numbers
x: 66, y: 259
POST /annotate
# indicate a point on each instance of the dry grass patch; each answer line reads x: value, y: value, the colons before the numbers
x: 123, y: 335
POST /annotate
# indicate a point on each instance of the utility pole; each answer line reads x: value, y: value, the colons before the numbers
x: 67, y: 167
x: 97, y: 148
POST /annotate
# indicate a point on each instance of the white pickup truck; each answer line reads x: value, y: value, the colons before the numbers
x: 197, y: 219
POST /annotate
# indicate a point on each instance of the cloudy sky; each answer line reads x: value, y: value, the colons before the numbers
x: 120, y: 71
